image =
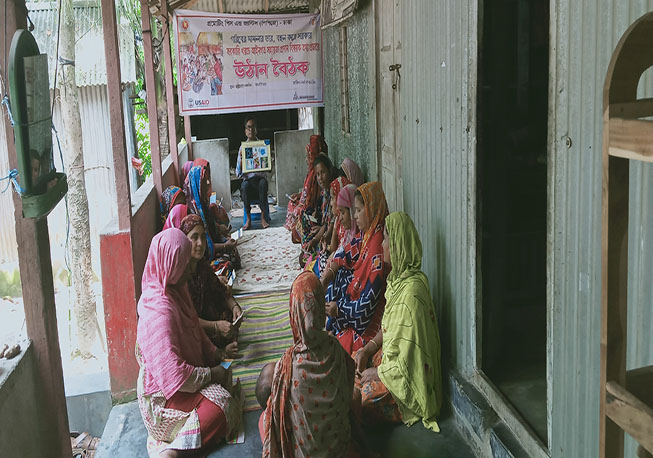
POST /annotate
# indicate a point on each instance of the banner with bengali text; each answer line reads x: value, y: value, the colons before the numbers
x: 231, y: 63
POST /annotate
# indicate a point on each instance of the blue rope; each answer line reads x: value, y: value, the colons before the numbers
x: 11, y: 180
x: 5, y: 101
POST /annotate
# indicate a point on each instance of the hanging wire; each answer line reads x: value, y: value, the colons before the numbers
x: 56, y: 66
x: 56, y: 134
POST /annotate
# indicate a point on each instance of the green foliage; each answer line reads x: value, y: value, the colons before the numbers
x: 10, y: 284
x: 143, y: 138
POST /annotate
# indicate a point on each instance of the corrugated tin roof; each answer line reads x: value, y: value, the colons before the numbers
x: 251, y: 6
x: 90, y: 60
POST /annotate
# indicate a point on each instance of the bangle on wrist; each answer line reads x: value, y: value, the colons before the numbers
x: 215, y: 326
x: 375, y: 344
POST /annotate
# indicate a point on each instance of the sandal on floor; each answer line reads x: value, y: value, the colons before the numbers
x: 83, y: 444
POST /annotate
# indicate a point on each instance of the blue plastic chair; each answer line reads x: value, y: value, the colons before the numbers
x: 255, y: 216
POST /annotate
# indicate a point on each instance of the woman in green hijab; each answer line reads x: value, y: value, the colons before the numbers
x: 405, y: 354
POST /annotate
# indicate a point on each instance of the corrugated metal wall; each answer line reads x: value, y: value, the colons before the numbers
x: 358, y: 144
x: 250, y: 6
x: 100, y: 188
x: 585, y: 34
x: 438, y: 111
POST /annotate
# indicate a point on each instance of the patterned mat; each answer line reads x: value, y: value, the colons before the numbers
x: 269, y: 261
x: 264, y: 336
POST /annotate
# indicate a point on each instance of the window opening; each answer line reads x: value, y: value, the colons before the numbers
x: 512, y: 161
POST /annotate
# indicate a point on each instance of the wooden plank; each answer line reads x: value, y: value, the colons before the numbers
x: 170, y: 91
x: 35, y: 265
x: 630, y: 155
x: 640, y: 108
x: 189, y: 137
x: 116, y: 115
x: 152, y: 112
x: 614, y: 248
x: 631, y: 139
x: 639, y: 382
x: 632, y: 415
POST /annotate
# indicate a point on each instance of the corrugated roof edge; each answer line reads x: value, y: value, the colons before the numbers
x: 88, y: 15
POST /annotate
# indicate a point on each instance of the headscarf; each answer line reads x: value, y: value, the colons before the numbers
x: 311, y: 190
x: 168, y: 198
x: 169, y: 334
x: 196, y: 195
x: 334, y: 189
x: 411, y: 341
x: 177, y: 214
x: 184, y: 172
x: 376, y: 208
x: 202, y: 163
x: 352, y: 171
x: 312, y: 386
x: 345, y: 198
x: 189, y: 223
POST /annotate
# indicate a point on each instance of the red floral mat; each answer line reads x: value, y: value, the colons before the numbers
x: 270, y: 261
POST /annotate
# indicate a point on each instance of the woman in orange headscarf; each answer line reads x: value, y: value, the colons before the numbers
x: 307, y: 412
x: 356, y: 276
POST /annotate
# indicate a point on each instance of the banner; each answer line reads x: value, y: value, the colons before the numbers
x: 336, y: 11
x: 231, y: 63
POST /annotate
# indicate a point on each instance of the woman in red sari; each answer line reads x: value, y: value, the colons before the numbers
x: 309, y: 194
x: 356, y: 277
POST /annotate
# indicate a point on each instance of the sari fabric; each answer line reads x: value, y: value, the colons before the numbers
x: 196, y: 188
x: 410, y: 367
x: 360, y: 282
x: 321, y: 215
x: 346, y: 199
x: 208, y: 293
x: 318, y: 263
x: 184, y: 173
x: 352, y: 171
x: 177, y: 214
x: 168, y: 198
x: 310, y: 189
x: 308, y: 409
x: 169, y: 333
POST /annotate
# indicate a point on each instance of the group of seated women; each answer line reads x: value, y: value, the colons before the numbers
x: 318, y: 394
x: 194, y: 197
x: 365, y: 346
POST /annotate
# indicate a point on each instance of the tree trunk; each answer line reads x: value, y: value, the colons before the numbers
x: 80, y: 239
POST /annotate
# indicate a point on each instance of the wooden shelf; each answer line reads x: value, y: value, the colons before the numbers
x: 626, y: 396
x: 631, y: 139
x: 628, y: 410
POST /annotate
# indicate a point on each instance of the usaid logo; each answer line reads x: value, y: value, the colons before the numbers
x: 199, y: 103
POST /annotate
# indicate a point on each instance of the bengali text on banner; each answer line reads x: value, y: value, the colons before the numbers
x: 230, y: 63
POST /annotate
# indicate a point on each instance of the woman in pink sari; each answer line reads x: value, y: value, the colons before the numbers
x: 183, y: 392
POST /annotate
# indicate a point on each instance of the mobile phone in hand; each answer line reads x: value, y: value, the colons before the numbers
x: 237, y: 321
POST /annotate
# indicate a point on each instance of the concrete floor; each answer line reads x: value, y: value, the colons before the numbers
x: 525, y: 388
x: 125, y: 437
